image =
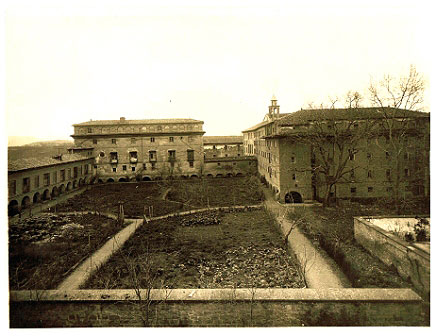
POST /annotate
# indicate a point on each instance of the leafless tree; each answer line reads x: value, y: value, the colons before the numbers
x: 395, y: 98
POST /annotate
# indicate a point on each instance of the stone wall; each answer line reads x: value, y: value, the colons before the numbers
x: 216, y: 308
x: 411, y: 261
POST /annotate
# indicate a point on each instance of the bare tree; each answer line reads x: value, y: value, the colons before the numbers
x: 395, y: 100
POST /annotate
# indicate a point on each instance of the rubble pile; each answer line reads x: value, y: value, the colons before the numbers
x: 246, y: 267
x: 42, y: 228
x: 202, y: 219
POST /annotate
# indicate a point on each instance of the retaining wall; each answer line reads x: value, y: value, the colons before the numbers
x: 411, y: 261
x: 216, y: 308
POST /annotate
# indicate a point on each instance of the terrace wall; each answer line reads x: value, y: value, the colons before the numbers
x: 216, y: 308
x: 411, y: 261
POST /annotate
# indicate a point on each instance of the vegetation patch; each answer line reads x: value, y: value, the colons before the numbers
x: 166, y: 197
x: 243, y: 250
x: 45, y: 249
x: 332, y: 230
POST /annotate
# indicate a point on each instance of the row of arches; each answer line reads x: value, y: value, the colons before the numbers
x: 14, y: 206
x: 159, y: 178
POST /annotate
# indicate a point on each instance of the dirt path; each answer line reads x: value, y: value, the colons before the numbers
x: 320, y: 270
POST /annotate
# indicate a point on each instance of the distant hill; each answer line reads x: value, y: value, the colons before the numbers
x: 39, y: 149
x: 50, y: 143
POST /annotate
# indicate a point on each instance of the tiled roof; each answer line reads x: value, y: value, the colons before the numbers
x: 28, y: 163
x: 138, y: 122
x: 255, y: 127
x: 305, y: 116
x: 222, y: 139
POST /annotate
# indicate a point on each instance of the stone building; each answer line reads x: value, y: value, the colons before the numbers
x: 35, y: 180
x: 358, y: 153
x: 145, y: 150
x: 224, y: 157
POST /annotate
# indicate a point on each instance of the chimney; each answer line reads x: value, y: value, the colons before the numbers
x: 122, y: 119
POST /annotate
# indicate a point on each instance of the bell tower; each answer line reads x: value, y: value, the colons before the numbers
x: 274, y: 109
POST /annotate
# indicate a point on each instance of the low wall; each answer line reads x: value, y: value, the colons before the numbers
x: 411, y: 261
x: 216, y: 308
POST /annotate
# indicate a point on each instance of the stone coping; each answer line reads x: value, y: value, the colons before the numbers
x: 403, y: 295
x: 410, y: 246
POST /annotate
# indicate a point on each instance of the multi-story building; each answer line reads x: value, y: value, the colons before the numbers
x: 224, y: 157
x: 143, y: 149
x: 357, y: 153
x: 35, y: 180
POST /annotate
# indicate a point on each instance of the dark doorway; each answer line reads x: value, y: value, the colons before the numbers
x: 293, y: 197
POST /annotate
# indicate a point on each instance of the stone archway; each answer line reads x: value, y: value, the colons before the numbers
x: 293, y: 197
x: 54, y: 192
x: 13, y: 208
x: 69, y: 186
x: 25, y: 202
x: 62, y: 189
x: 146, y: 178
x: 46, y: 195
x: 36, y: 198
x: 110, y: 180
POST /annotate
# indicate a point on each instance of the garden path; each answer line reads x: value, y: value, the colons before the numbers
x: 320, y: 270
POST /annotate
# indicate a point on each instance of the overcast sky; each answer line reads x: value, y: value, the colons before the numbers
x: 219, y: 62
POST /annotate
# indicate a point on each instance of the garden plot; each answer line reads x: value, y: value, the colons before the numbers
x: 166, y: 196
x: 208, y: 250
x: 44, y: 249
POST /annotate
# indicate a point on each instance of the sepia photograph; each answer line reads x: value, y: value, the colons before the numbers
x: 236, y: 164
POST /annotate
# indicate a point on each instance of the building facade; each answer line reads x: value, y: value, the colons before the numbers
x: 144, y: 150
x: 32, y: 181
x: 359, y: 153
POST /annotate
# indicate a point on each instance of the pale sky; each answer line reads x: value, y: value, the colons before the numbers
x: 216, y: 61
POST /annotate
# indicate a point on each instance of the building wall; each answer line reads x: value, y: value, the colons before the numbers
x: 55, y: 186
x: 180, y: 138
x: 230, y: 166
x: 223, y: 150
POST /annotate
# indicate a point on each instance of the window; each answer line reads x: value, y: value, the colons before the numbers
x: 368, y: 155
x: 406, y: 172
x: 46, y: 179
x: 133, y: 140
x: 114, y: 169
x: 388, y: 156
x: 191, y: 164
x: 388, y: 174
x: 171, y: 139
x: 69, y: 173
x: 94, y: 141
x: 352, y: 156
x: 86, y: 169
x: 114, y: 157
x: 55, y: 177
x: 133, y: 169
x: 370, y: 189
x: 234, y: 163
x: 190, y: 154
x: 218, y: 164
x: 114, y: 141
x: 353, y: 190
x: 294, y: 177
x: 75, y: 172
x: 89, y: 130
x: 389, y: 189
x: 12, y: 188
x: 152, y: 155
x: 153, y: 165
x: 101, y: 154
x: 152, y: 139
x: 36, y: 180
x: 133, y: 157
x: 352, y: 176
x: 292, y: 159
x: 124, y: 167
x: 369, y: 173
x: 26, y: 185
x: 406, y: 156
x: 171, y: 155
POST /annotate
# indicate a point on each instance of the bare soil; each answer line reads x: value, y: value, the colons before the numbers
x: 244, y: 249
x: 182, y: 195
x: 44, y: 249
